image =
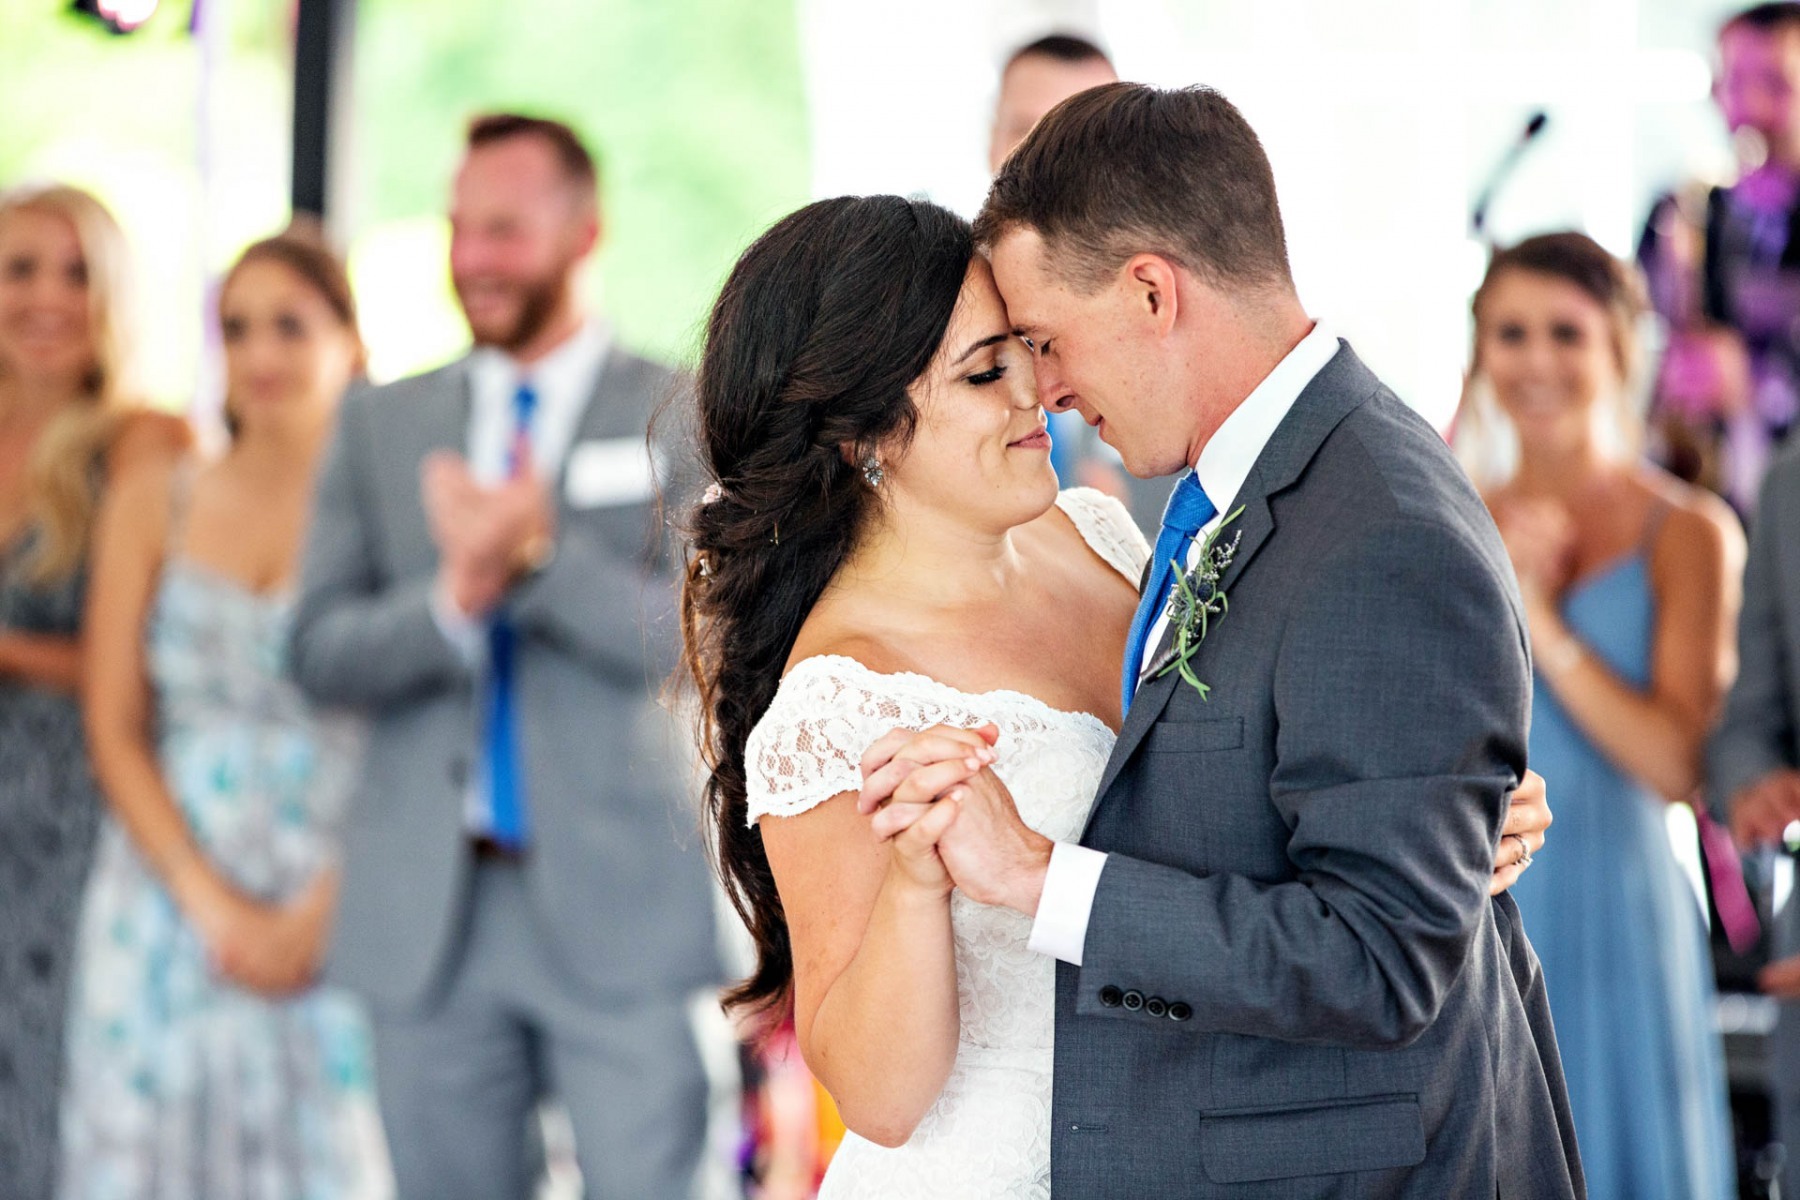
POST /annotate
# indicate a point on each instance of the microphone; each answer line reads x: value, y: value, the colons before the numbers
x: 1504, y: 169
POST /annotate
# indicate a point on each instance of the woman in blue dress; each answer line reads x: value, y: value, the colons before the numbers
x: 1629, y: 580
x: 203, y: 1058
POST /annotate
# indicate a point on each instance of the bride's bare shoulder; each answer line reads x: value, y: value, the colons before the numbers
x: 828, y: 632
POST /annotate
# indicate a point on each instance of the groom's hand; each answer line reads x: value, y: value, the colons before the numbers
x: 994, y: 857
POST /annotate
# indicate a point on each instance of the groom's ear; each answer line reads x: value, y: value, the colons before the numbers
x: 1151, y: 284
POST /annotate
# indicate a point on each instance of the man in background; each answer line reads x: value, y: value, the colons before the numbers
x: 1036, y: 78
x: 1724, y: 268
x: 1753, y: 762
x: 488, y: 579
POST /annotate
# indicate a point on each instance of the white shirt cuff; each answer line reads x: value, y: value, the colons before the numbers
x: 1060, y: 927
x: 466, y: 635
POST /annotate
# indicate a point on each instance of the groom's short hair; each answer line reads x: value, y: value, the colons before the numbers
x: 1125, y: 169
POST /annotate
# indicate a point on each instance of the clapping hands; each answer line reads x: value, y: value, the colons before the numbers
x: 1761, y: 811
x: 1540, y: 539
x: 485, y: 535
x: 935, y: 796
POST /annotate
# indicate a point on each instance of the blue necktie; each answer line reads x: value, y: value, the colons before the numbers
x: 1065, y: 428
x: 1187, y: 511
x: 505, y: 775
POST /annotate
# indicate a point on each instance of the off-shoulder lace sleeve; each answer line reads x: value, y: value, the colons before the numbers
x: 808, y: 747
x: 1105, y: 525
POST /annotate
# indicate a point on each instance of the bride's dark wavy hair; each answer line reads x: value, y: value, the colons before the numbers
x: 820, y: 329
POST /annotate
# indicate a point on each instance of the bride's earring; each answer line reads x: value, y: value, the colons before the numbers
x: 872, y: 472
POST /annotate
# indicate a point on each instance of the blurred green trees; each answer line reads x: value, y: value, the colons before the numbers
x: 695, y: 107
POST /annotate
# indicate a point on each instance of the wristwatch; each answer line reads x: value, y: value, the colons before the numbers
x: 534, y: 554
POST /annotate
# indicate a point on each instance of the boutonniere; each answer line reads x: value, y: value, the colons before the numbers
x: 1199, y: 601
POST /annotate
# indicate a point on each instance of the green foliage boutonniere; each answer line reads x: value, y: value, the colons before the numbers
x: 1199, y: 601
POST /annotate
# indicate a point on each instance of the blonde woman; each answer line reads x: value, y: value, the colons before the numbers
x: 1630, y: 585
x: 204, y: 1060
x: 66, y: 427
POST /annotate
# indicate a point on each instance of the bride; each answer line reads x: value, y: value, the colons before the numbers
x: 884, y: 545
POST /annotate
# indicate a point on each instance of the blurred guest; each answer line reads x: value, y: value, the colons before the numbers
x: 488, y: 578
x: 1036, y: 78
x: 1724, y: 266
x: 201, y: 1060
x: 65, y: 431
x: 1628, y: 578
x: 1754, y: 759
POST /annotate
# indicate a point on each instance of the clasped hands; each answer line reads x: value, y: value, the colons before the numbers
x: 274, y: 948
x: 486, y: 536
x: 952, y: 823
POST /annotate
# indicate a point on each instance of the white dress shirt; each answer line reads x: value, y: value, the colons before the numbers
x: 1060, y: 926
x: 564, y: 381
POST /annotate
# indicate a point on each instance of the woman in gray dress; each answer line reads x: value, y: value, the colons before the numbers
x: 64, y: 429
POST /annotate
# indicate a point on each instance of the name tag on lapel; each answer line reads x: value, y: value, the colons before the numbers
x: 609, y: 472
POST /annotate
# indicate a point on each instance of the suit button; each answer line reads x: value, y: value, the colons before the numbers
x: 1155, y: 1006
x: 1132, y: 1000
x: 1180, y: 1012
x: 1110, y: 996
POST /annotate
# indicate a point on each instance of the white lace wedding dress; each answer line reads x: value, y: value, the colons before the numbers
x: 988, y: 1134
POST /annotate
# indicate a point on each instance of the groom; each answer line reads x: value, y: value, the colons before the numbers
x: 1281, y: 973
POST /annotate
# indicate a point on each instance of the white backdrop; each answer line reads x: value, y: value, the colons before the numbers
x: 1381, y: 117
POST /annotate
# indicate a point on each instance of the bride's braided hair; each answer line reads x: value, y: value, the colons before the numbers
x: 823, y: 324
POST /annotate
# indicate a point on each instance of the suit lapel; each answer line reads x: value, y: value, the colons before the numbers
x: 617, y: 409
x: 1251, y: 529
x: 597, y: 418
x: 1146, y: 705
x: 447, y: 427
x: 1342, y: 385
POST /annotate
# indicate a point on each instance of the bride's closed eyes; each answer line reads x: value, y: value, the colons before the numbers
x: 1001, y: 366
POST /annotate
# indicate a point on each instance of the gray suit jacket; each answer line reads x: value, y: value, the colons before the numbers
x: 616, y: 866
x: 1294, y: 983
x: 1760, y: 730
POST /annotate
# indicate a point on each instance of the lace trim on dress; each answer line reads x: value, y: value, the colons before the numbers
x: 808, y: 746
x: 1106, y: 526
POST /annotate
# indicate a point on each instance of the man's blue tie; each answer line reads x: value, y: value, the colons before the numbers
x: 1187, y: 511
x: 505, y: 775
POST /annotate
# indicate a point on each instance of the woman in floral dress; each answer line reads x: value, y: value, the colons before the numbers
x: 204, y: 1059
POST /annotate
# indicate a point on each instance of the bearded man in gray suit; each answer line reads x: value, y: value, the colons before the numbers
x: 1282, y: 973
x: 487, y: 578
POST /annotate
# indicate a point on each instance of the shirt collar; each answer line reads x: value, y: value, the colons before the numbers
x: 572, y: 367
x: 1233, y: 449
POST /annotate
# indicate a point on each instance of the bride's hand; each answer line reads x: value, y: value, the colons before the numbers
x: 927, y: 764
x: 1527, y: 819
x: 892, y: 759
x: 915, y: 832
